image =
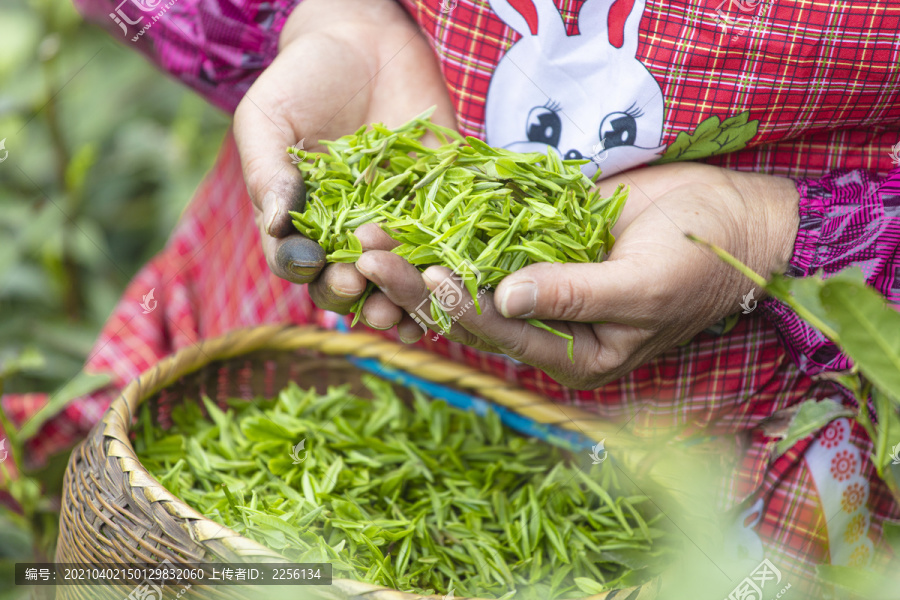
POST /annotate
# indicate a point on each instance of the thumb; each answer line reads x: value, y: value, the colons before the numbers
x: 274, y: 182
x: 581, y: 292
x: 275, y: 186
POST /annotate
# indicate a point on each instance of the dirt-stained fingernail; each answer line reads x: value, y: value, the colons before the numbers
x: 304, y: 269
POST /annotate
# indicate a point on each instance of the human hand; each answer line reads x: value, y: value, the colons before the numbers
x: 654, y: 291
x: 341, y: 64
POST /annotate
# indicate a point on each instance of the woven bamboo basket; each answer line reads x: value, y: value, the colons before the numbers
x: 115, y: 511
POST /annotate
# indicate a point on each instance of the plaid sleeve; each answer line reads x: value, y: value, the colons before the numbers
x: 216, y: 47
x: 846, y: 218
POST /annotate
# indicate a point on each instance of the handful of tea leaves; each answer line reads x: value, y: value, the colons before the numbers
x: 421, y: 499
x: 483, y: 212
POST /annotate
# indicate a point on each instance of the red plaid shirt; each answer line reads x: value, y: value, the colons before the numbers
x: 783, y: 88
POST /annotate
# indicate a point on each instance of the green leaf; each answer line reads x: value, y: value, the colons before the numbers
x: 81, y: 385
x: 811, y: 417
x: 344, y: 256
x: 389, y: 184
x: 869, y: 330
x: 891, y: 535
x: 30, y: 359
x: 887, y: 430
x: 262, y: 429
x: 589, y: 586
x: 861, y: 582
x: 712, y: 137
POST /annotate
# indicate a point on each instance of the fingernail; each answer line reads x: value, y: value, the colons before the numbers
x: 519, y: 299
x: 385, y: 328
x: 271, y: 200
x: 304, y: 269
x: 407, y: 340
x: 344, y: 294
x: 429, y: 280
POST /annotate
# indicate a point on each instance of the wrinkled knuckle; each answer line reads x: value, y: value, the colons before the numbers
x: 568, y: 302
x: 606, y: 361
x: 516, y: 347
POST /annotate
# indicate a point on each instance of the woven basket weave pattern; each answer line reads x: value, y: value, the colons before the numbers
x: 114, y: 511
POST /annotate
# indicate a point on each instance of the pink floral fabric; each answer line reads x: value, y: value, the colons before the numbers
x: 217, y: 47
x: 847, y: 218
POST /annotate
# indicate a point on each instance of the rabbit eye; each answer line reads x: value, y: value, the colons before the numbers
x: 544, y: 126
x: 618, y: 129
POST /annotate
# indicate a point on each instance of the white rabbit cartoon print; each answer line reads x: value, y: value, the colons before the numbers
x: 585, y: 96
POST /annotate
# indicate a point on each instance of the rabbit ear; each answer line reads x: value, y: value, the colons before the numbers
x: 530, y: 17
x: 620, y: 20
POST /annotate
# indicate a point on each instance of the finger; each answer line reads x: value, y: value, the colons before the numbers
x: 275, y: 187
x: 294, y: 258
x: 402, y: 283
x: 622, y: 348
x: 380, y: 313
x: 602, y: 352
x: 409, y: 331
x: 398, y: 279
x: 488, y: 331
x: 274, y: 183
x: 338, y: 288
x: 373, y: 237
x: 615, y: 290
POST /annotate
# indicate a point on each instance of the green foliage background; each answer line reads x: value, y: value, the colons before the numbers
x: 104, y: 153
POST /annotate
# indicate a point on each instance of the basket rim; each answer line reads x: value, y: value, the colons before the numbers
x: 116, y: 422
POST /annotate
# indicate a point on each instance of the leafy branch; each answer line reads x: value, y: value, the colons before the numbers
x: 860, y: 322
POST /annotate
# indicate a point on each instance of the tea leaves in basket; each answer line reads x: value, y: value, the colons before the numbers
x: 423, y: 498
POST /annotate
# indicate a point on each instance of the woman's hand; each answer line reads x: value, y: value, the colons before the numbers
x: 341, y: 64
x: 656, y: 289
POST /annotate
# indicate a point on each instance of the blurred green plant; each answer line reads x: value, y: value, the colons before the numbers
x: 104, y: 153
x: 859, y: 320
